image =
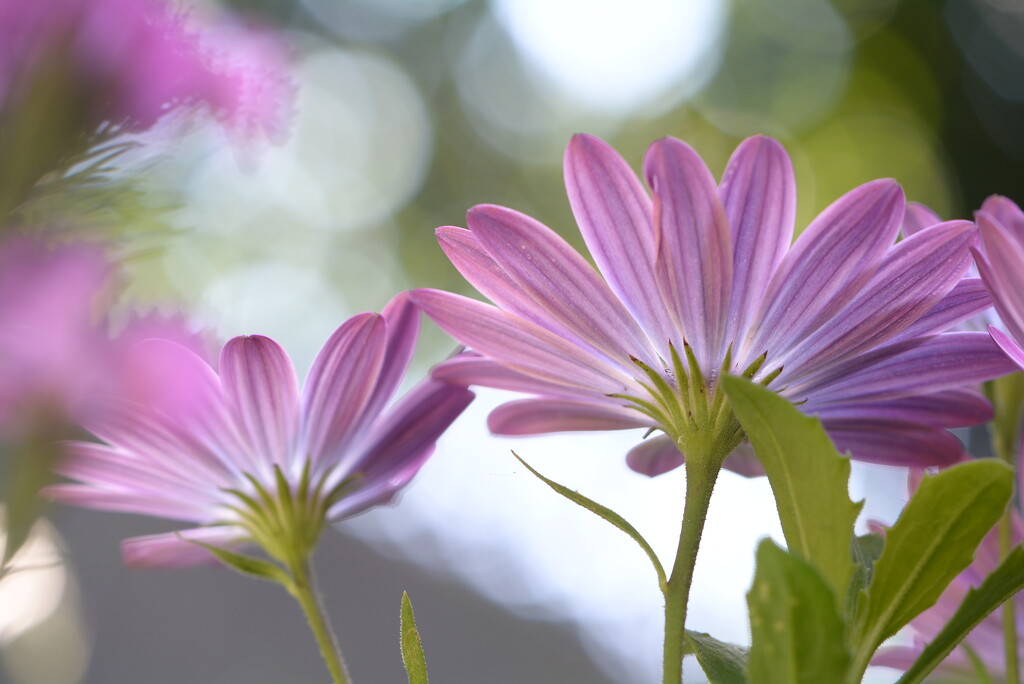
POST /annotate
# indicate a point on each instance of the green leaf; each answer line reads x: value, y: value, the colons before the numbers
x: 932, y: 542
x: 797, y: 633
x: 609, y: 515
x: 807, y: 475
x: 723, y: 663
x: 866, y: 550
x: 247, y: 565
x: 412, y: 649
x: 998, y: 587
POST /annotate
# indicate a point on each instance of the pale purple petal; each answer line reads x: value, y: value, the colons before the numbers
x: 614, y: 214
x: 917, y: 367
x: 399, y: 444
x: 1007, y: 213
x: 894, y: 442
x: 695, y: 257
x: 950, y: 408
x: 121, y: 501
x: 917, y: 217
x: 176, y: 550
x: 470, y: 368
x: 538, y: 416
x: 759, y: 194
x: 402, y: 319
x: 827, y: 266
x: 655, y: 456
x: 557, y: 278
x: 968, y: 298
x: 913, y: 277
x: 1008, y: 345
x: 743, y: 461
x: 519, y: 344
x: 263, y: 394
x: 339, y: 387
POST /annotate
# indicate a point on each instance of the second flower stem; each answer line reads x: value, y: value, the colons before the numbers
x: 700, y: 481
x: 303, y: 588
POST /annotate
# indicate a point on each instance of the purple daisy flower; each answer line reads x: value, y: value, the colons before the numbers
x: 227, y: 450
x: 702, y: 279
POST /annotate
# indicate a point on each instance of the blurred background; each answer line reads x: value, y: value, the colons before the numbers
x: 407, y: 113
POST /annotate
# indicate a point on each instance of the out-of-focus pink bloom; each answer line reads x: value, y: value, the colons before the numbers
x: 986, y: 640
x: 1001, y: 263
x: 204, y: 450
x: 130, y: 62
x: 843, y: 322
x: 50, y: 339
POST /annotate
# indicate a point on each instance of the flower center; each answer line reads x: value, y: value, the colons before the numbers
x: 286, y: 523
x: 689, y: 407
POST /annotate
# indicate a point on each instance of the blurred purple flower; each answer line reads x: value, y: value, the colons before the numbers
x: 843, y: 322
x: 986, y: 640
x: 1000, y: 259
x: 206, y: 448
x: 131, y: 62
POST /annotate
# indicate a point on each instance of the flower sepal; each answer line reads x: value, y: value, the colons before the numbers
x: 247, y: 565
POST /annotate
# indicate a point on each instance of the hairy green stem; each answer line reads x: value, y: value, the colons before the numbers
x: 701, y: 474
x: 303, y: 588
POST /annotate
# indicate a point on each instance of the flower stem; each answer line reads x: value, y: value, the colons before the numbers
x: 303, y: 588
x: 701, y: 474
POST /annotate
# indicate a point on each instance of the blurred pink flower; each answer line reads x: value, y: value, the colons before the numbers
x: 209, y: 447
x: 50, y: 340
x: 131, y: 62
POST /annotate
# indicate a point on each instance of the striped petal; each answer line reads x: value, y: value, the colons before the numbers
x: 177, y: 550
x: 951, y: 408
x: 261, y: 389
x: 759, y: 194
x: 694, y: 259
x: 614, y: 215
x: 917, y: 217
x: 522, y: 346
x: 1008, y: 345
x: 655, y: 456
x: 914, y: 276
x: 827, y: 266
x: 402, y: 319
x: 1002, y: 268
x: 542, y: 415
x: 969, y: 297
x: 895, y: 442
x: 551, y: 273
x: 339, y: 387
x: 1009, y: 215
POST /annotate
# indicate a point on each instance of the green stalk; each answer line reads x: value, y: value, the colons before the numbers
x: 303, y: 588
x: 701, y: 474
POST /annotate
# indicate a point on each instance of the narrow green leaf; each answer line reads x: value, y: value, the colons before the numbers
x: 609, y: 515
x: 807, y: 475
x: 247, y: 565
x: 796, y: 631
x: 866, y: 550
x: 723, y: 663
x: 932, y: 542
x: 412, y: 649
x: 998, y: 587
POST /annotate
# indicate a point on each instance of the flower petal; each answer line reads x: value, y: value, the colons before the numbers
x: 759, y: 194
x: 538, y: 416
x: 1008, y: 345
x: 895, y: 442
x: 916, y: 367
x: 968, y: 298
x: 261, y: 389
x: 655, y: 456
x: 1002, y: 268
x: 399, y: 444
x: 826, y: 267
x: 339, y: 387
x: 614, y: 214
x: 913, y: 277
x: 176, y: 550
x: 1007, y: 213
x: 470, y: 368
x: 694, y: 260
x: 950, y: 408
x: 402, y: 319
x: 917, y: 217
x: 522, y: 346
x: 563, y: 283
